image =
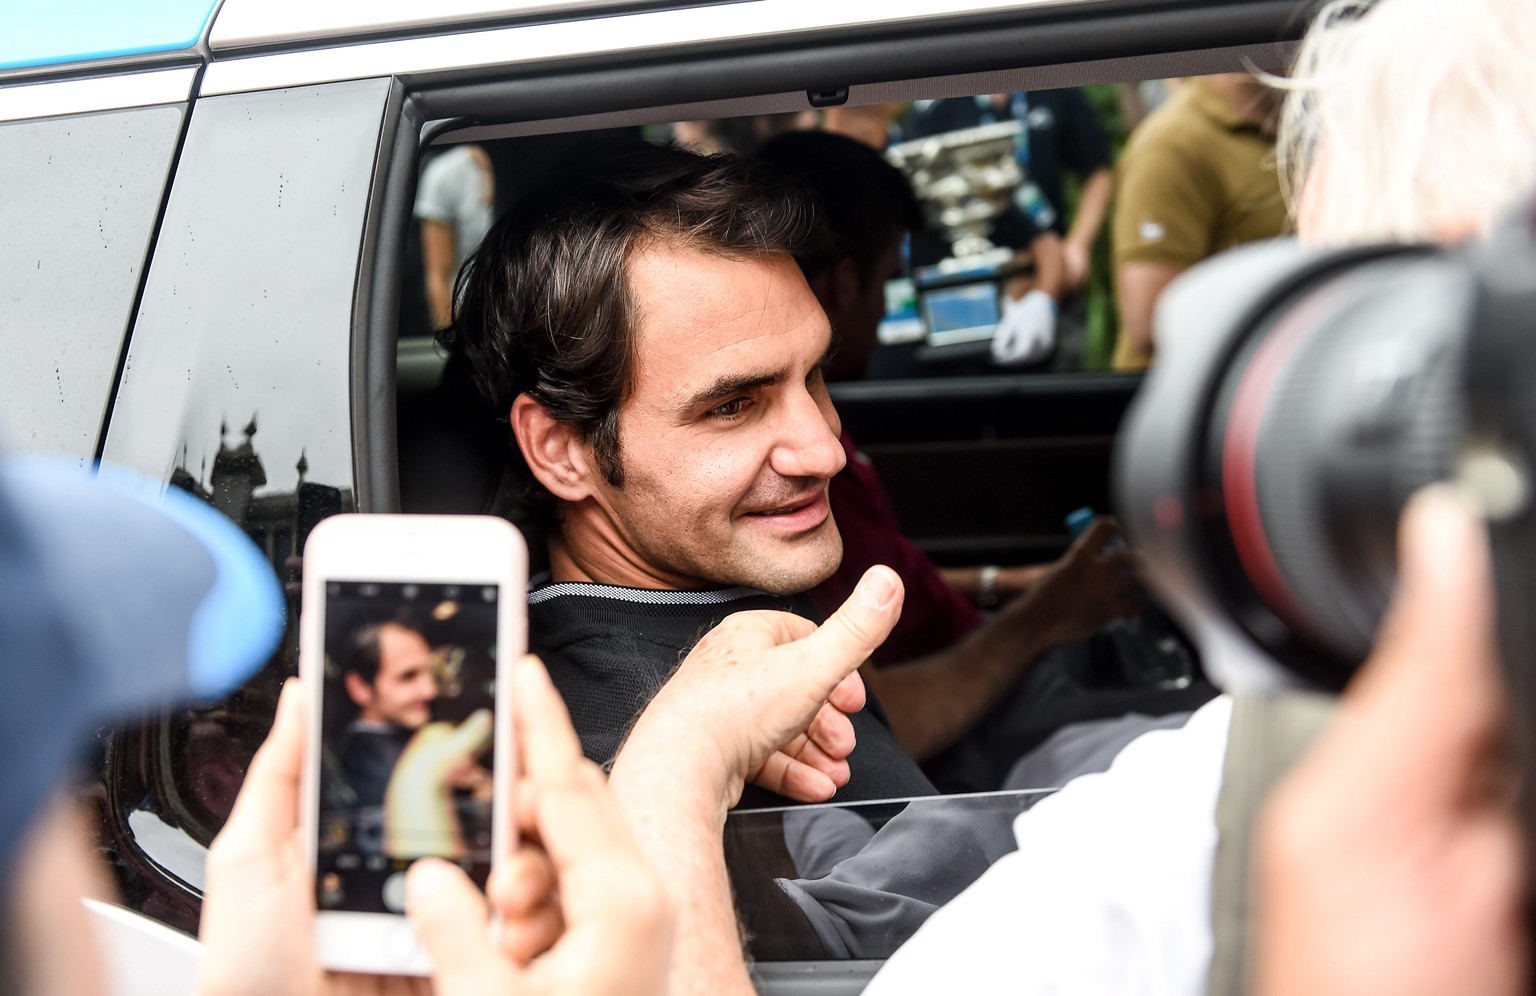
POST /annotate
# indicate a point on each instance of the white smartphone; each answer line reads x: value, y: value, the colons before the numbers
x: 408, y: 624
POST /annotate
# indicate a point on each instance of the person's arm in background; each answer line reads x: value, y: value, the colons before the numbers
x: 1086, y: 152
x: 1092, y: 208
x: 1164, y: 215
x: 1390, y: 860
x: 1050, y: 271
x: 1137, y: 288
x: 1008, y: 583
x: 439, y: 257
x: 933, y: 700
x: 764, y: 697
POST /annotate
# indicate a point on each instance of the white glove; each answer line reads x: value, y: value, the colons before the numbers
x: 1027, y: 331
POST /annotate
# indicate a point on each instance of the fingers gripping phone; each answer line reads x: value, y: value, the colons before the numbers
x: 408, y: 623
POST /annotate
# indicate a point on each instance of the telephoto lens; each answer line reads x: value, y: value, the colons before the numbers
x: 1297, y: 401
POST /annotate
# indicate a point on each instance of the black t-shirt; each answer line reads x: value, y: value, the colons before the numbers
x: 610, y: 649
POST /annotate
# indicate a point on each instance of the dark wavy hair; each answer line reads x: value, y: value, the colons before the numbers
x: 544, y: 306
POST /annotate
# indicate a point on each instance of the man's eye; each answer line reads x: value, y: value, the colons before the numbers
x: 730, y: 409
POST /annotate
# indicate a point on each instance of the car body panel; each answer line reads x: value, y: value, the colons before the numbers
x: 95, y: 183
x: 248, y: 307
x: 252, y: 23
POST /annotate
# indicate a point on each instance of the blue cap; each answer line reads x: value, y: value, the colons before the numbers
x: 118, y: 595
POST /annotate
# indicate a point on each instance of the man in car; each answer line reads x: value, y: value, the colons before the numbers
x: 642, y: 321
x: 386, y: 668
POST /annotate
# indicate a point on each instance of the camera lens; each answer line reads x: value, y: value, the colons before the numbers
x: 1298, y: 400
x: 1348, y: 403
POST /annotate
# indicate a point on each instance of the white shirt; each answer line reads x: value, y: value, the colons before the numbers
x: 1109, y: 892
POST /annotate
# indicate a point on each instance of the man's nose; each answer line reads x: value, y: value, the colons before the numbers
x: 808, y: 445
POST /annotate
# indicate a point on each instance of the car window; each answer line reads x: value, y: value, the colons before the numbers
x: 73, y: 252
x: 1018, y: 196
x: 852, y: 882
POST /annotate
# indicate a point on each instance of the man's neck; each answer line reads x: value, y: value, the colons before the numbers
x: 1250, y: 98
x: 587, y: 547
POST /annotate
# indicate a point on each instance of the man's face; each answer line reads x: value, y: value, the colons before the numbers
x: 857, y: 321
x: 728, y: 439
x: 405, y: 688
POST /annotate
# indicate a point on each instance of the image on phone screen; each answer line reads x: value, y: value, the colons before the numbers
x: 407, y: 737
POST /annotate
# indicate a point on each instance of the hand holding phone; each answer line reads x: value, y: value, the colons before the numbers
x: 581, y: 911
x: 407, y: 624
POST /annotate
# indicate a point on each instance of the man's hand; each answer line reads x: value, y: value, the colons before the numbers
x: 1093, y: 582
x: 1076, y: 260
x: 258, y: 923
x: 765, y: 697
x: 581, y: 911
x: 1389, y: 860
x: 1027, y: 330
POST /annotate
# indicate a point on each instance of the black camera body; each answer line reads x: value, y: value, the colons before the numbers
x: 1298, y: 399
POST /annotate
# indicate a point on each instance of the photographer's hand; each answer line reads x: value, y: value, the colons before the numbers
x: 588, y: 912
x: 1389, y: 860
x: 258, y: 922
x: 581, y: 910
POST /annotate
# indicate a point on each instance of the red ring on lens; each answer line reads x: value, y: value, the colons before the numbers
x: 1239, y: 457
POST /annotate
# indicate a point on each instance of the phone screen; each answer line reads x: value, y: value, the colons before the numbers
x: 407, y: 737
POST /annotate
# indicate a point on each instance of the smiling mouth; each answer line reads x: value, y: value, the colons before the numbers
x: 803, y: 513
x: 786, y: 510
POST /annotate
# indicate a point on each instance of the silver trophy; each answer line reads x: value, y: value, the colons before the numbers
x: 965, y: 179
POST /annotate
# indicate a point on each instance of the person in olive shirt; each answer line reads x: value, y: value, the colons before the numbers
x: 1198, y: 176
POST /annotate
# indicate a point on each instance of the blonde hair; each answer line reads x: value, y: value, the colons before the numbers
x: 1409, y: 120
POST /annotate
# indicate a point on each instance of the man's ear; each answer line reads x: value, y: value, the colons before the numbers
x: 358, y: 690
x: 554, y: 452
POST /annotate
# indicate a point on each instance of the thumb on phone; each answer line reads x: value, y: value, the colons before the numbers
x: 450, y: 917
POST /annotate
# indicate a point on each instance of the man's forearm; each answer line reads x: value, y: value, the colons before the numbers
x: 678, y: 824
x: 1092, y: 208
x: 1009, y: 583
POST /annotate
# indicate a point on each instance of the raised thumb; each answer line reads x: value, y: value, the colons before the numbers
x: 860, y: 625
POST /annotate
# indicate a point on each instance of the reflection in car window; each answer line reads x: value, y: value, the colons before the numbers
x: 73, y: 255
x: 853, y: 882
x: 237, y: 387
